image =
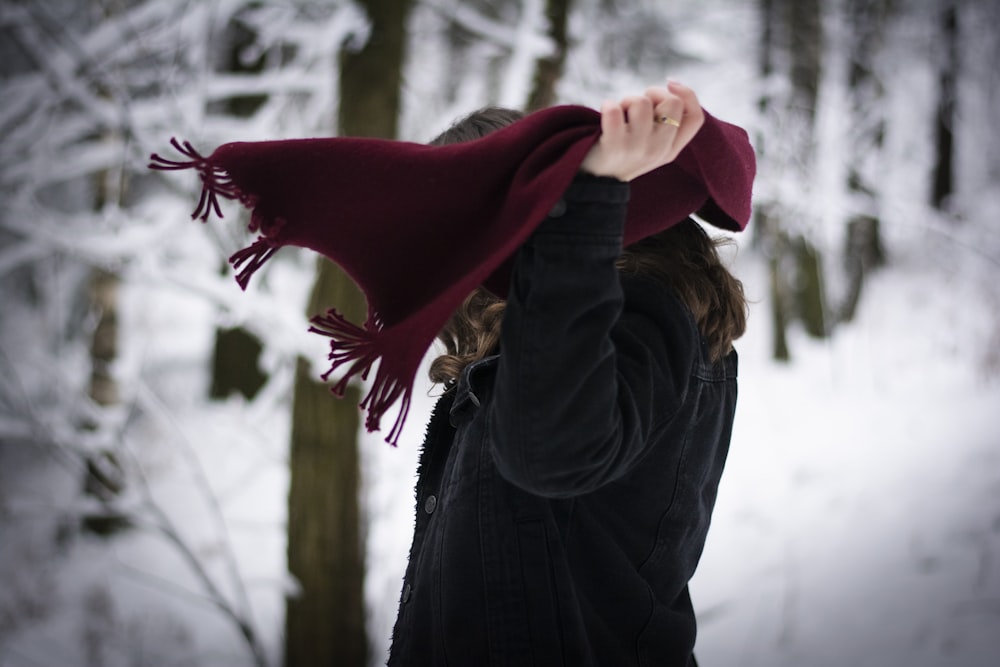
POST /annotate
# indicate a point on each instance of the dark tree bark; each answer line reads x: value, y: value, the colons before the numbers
x: 775, y: 249
x: 549, y: 70
x: 804, y: 36
x: 766, y: 233
x: 943, y: 185
x: 325, y: 625
x: 804, y: 39
x: 104, y: 341
x: 236, y: 364
x: 863, y: 252
x: 765, y: 55
x: 809, y: 293
x: 371, y: 78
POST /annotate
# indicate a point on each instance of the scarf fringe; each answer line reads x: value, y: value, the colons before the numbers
x: 215, y: 182
x: 360, y: 347
x: 254, y: 256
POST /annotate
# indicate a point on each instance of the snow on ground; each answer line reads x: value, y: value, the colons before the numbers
x: 858, y: 522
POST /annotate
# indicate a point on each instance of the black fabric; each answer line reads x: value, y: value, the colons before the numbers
x: 573, y: 496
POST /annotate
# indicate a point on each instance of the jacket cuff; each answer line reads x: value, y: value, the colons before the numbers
x: 597, y: 189
x: 590, y: 206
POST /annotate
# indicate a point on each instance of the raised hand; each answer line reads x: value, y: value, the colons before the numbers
x: 643, y: 132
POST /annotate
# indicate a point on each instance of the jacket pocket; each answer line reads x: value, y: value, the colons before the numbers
x: 540, y: 596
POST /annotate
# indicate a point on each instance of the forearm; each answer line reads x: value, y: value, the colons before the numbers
x: 559, y: 425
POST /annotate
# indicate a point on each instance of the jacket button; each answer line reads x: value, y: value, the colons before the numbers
x: 406, y: 593
x: 430, y: 504
x: 558, y: 209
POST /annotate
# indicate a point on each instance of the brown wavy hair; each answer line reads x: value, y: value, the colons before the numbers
x: 472, y: 333
x: 687, y: 259
x: 683, y: 257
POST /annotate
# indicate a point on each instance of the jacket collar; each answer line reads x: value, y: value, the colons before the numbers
x: 470, y: 388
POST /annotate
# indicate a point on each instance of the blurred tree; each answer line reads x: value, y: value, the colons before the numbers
x: 499, y: 43
x: 236, y: 353
x: 636, y: 37
x: 867, y: 22
x: 466, y: 34
x: 549, y: 69
x: 804, y: 29
x: 325, y: 623
x: 791, y: 48
x: 944, y: 127
x: 103, y: 476
x: 765, y: 228
x: 108, y: 190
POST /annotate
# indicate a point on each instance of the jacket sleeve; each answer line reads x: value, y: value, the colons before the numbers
x: 588, y: 371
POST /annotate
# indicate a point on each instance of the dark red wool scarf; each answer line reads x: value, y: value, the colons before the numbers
x: 418, y: 227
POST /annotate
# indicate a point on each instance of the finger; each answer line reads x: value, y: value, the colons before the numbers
x: 659, y: 95
x: 668, y: 109
x: 693, y: 115
x: 638, y: 111
x: 690, y: 101
x: 669, y: 113
x: 612, y: 118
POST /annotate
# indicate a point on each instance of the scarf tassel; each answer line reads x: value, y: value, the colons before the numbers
x: 215, y: 182
x: 360, y: 347
x: 254, y: 256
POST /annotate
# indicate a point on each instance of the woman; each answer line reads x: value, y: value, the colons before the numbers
x: 570, y: 468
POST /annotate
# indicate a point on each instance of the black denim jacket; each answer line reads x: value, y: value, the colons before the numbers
x: 566, y: 485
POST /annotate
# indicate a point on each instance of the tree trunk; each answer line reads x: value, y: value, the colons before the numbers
x: 764, y: 218
x: 765, y: 64
x: 791, y: 37
x: 804, y: 28
x: 108, y: 189
x: 325, y: 625
x: 370, y: 79
x: 104, y: 341
x: 236, y: 354
x: 809, y: 295
x: 775, y: 250
x: 863, y: 250
x: 945, y: 122
x: 104, y: 476
x: 804, y: 39
x: 236, y: 364
x: 549, y: 70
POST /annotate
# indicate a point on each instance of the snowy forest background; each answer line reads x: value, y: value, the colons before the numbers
x: 170, y: 489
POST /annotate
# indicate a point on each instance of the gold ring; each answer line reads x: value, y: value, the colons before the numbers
x: 667, y: 120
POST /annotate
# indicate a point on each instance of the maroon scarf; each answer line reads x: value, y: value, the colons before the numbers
x: 418, y: 227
